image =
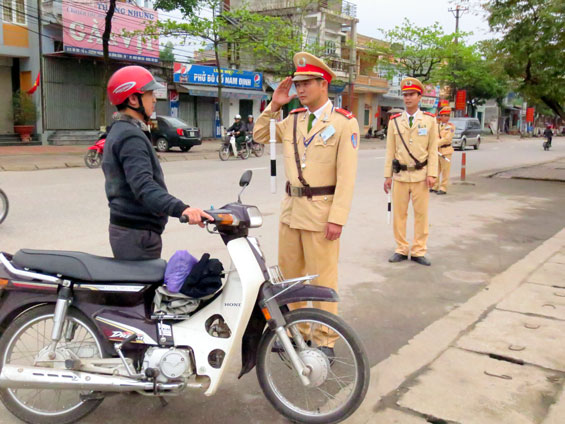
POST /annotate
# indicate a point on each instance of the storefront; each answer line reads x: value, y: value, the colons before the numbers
x: 197, y: 102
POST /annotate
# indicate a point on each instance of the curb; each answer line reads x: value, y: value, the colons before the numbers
x: 388, y: 375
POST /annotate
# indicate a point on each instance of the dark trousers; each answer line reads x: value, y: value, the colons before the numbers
x: 134, y: 245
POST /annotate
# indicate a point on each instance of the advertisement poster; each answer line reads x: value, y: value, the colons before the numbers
x: 83, y: 26
x: 461, y: 100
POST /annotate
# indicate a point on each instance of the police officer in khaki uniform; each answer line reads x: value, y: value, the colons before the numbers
x: 412, y: 161
x: 320, y: 145
x: 446, y: 131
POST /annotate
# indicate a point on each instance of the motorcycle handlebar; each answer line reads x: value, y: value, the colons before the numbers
x: 184, y: 218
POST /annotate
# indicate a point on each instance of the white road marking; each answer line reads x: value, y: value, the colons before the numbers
x: 256, y: 169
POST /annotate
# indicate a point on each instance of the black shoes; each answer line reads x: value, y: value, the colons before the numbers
x: 422, y: 260
x: 397, y: 257
x: 432, y: 190
x: 441, y: 192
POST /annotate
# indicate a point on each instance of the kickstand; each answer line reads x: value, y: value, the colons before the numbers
x: 164, y: 402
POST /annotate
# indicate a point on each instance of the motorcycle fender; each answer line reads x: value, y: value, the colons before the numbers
x: 302, y: 293
x: 251, y: 339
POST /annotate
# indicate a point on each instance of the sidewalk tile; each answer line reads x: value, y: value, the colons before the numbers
x: 533, y: 340
x: 557, y: 411
x: 559, y: 258
x: 393, y: 416
x: 536, y: 299
x: 469, y: 388
x: 549, y: 274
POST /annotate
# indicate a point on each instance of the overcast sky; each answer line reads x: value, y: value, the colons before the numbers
x: 375, y: 15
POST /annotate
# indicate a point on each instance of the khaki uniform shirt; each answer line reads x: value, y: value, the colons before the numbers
x: 329, y: 162
x: 421, y: 139
x: 446, y: 132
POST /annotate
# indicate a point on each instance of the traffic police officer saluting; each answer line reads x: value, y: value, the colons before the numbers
x: 446, y: 131
x: 411, y: 155
x: 320, y: 145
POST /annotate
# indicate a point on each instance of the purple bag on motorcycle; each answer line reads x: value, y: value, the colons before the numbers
x: 178, y: 268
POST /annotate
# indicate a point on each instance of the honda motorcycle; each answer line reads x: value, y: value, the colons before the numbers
x: 256, y: 148
x: 77, y: 328
x: 93, y: 157
x: 229, y: 148
x: 4, y: 206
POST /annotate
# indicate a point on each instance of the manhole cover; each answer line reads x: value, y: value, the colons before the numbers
x: 467, y: 276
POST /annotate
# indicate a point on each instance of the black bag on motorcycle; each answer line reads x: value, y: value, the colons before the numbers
x: 204, y: 279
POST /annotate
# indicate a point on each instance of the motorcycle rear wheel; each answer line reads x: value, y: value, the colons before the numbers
x: 285, y: 391
x: 224, y: 153
x: 36, y: 406
x: 92, y: 159
x: 258, y: 150
x: 4, y: 206
x: 244, y: 153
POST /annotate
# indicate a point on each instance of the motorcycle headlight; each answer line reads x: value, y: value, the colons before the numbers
x: 255, y: 217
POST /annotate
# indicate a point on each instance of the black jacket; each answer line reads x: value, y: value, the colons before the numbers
x: 135, y: 184
x: 238, y: 126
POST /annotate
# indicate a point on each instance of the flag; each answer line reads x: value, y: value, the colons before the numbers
x: 32, y: 89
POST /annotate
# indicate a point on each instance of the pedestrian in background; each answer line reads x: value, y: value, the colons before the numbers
x: 412, y: 161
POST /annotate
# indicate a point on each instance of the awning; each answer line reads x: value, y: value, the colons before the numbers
x: 233, y: 93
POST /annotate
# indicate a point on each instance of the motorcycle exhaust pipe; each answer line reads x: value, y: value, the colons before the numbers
x: 19, y: 377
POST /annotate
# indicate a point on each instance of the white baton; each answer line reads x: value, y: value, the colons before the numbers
x: 388, y: 208
x: 447, y: 159
x: 273, y: 144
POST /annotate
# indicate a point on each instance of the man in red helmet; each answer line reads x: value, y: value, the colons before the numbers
x: 135, y: 185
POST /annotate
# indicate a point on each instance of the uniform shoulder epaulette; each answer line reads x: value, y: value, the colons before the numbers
x: 396, y: 116
x: 345, y: 113
x: 429, y: 114
x: 298, y: 110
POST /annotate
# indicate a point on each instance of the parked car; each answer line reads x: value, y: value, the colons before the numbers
x: 467, y: 133
x: 167, y: 132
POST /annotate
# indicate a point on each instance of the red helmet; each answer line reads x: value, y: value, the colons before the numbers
x: 130, y: 80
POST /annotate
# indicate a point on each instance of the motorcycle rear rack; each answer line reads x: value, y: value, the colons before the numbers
x: 20, y: 273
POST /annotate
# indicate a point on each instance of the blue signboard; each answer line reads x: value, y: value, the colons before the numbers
x: 208, y: 75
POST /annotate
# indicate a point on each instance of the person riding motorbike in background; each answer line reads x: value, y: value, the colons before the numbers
x: 135, y: 185
x: 238, y: 128
x: 548, y: 133
x: 249, y: 125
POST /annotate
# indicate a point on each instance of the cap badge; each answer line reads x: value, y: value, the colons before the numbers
x: 302, y: 62
x: 408, y: 83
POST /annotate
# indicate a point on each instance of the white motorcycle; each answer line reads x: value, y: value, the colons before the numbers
x: 77, y: 327
x: 229, y: 148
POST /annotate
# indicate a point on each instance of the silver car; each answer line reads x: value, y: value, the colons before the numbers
x: 467, y: 133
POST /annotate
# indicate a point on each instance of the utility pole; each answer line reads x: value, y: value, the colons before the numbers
x: 41, y: 97
x: 352, y: 61
x: 457, y: 12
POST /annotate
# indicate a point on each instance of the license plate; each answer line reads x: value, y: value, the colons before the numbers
x: 192, y: 134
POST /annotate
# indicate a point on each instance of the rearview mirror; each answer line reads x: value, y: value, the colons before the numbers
x: 245, y: 178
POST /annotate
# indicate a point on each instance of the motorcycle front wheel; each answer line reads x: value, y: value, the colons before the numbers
x: 224, y: 153
x: 4, y: 206
x: 339, y: 378
x: 26, y: 340
x: 92, y: 159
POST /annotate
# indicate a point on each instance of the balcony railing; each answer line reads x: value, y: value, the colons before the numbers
x: 371, y: 81
x: 342, y: 7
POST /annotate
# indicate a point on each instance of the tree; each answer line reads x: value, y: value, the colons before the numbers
x: 106, y: 53
x: 472, y: 68
x: 532, y: 46
x: 270, y: 39
x: 413, y: 51
x: 167, y: 54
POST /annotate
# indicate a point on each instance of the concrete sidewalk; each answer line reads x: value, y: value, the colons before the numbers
x: 497, y: 359
x: 30, y: 158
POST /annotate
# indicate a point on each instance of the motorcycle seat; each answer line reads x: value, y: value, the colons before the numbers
x: 85, y: 267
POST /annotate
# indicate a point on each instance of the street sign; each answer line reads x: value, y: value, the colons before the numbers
x: 208, y: 75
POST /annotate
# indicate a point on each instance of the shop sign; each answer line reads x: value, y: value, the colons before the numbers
x: 208, y: 75
x: 83, y: 26
x: 530, y: 114
x: 461, y: 100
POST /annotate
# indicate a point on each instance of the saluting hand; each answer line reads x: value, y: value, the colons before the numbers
x: 281, y: 96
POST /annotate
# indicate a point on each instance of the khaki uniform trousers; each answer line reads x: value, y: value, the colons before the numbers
x: 304, y: 252
x: 401, y: 194
x: 444, y: 170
